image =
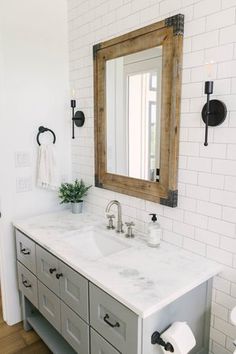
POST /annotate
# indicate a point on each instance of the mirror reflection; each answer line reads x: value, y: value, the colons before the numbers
x: 133, y: 109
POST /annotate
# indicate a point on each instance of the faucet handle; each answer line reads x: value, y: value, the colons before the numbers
x: 130, y: 229
x: 110, y: 218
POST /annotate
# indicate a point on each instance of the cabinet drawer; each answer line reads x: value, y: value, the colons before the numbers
x: 114, y: 321
x: 47, y: 269
x: 74, y: 330
x: 27, y: 284
x: 74, y: 290
x: 25, y: 249
x: 100, y: 346
x: 49, y: 306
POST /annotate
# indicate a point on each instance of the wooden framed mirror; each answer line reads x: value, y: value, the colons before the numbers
x: 137, y: 93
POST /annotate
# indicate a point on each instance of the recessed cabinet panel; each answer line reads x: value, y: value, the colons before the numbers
x: 74, y: 330
x: 74, y: 290
x: 25, y: 249
x: 49, y: 306
x: 27, y: 284
x: 114, y: 321
x: 48, y: 269
x: 100, y: 346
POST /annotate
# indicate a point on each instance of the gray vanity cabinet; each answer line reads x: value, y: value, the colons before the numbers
x: 115, y: 322
x: 65, y: 299
x: 49, y: 306
x: 100, y: 346
x: 74, y: 330
x: 48, y: 269
x: 63, y: 281
x: 25, y: 249
x: 74, y: 291
x: 72, y: 315
x: 28, y: 284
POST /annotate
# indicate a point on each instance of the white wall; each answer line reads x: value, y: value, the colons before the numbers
x: 204, y: 221
x: 33, y: 92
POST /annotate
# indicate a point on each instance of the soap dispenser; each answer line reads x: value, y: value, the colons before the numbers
x: 154, y: 232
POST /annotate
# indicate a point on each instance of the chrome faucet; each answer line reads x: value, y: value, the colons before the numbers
x: 119, y: 227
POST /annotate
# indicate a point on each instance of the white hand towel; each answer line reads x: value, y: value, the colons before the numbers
x: 47, y: 176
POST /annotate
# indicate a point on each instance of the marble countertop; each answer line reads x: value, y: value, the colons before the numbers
x: 142, y: 278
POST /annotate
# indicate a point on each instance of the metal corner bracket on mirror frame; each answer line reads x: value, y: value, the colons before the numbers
x: 167, y: 33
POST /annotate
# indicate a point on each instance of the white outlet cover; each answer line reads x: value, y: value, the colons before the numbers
x: 22, y: 159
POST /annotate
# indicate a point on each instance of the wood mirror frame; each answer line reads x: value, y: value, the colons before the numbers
x: 169, y: 34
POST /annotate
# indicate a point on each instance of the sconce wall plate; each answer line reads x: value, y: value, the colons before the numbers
x: 79, y: 118
x: 217, y: 115
x: 214, y: 111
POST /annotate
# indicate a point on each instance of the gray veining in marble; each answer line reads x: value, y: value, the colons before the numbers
x: 142, y: 278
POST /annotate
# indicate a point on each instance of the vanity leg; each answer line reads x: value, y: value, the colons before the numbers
x: 208, y: 314
x: 27, y: 309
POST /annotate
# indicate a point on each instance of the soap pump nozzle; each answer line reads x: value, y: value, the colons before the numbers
x: 154, y: 217
x: 154, y: 232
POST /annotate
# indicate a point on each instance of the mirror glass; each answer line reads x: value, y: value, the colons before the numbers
x: 133, y: 109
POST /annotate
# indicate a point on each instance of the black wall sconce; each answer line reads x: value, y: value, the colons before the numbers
x: 78, y: 117
x: 214, y: 112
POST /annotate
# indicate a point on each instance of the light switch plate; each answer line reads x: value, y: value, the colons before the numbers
x: 23, y: 184
x: 22, y: 159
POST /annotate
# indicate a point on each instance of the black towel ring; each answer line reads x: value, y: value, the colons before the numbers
x: 43, y: 130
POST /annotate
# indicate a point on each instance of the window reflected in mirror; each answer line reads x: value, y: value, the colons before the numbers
x: 133, y: 114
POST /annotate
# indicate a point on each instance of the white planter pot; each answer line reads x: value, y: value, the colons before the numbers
x: 77, y: 208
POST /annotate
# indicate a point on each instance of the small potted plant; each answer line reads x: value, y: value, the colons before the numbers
x: 73, y: 193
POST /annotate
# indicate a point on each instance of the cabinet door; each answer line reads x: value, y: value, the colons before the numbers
x: 100, y: 346
x: 27, y: 284
x: 115, y: 322
x: 48, y: 269
x: 74, y: 330
x: 74, y: 291
x: 25, y: 249
x: 49, y: 306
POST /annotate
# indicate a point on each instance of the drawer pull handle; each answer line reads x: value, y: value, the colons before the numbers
x: 52, y: 270
x: 25, y: 251
x: 26, y: 285
x: 106, y: 317
x: 58, y: 275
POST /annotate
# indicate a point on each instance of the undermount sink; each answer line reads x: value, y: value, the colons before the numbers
x: 94, y: 243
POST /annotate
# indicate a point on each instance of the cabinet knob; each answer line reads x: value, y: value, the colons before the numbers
x: 58, y: 275
x: 52, y: 270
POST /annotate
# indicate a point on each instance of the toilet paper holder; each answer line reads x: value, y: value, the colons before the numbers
x: 156, y: 339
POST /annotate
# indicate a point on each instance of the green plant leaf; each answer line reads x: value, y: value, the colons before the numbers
x: 73, y: 192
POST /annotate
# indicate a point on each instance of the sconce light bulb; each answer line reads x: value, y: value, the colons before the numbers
x: 209, y: 69
x: 73, y: 94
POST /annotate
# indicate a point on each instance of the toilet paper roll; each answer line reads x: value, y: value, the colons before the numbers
x: 180, y: 335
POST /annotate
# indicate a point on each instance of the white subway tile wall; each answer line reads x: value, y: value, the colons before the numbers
x: 205, y: 220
